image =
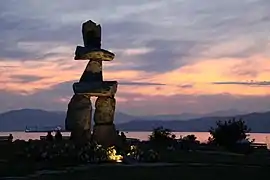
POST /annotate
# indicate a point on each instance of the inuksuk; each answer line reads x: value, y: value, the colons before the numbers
x: 91, y: 84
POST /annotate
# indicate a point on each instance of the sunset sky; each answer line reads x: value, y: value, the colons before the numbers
x: 172, y: 56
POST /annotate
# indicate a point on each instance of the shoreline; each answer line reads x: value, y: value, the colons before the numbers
x: 142, y: 135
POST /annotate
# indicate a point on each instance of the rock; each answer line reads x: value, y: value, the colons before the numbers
x: 86, y: 53
x: 91, y: 34
x: 105, y: 108
x: 104, y: 131
x: 78, y: 118
x: 104, y: 88
x: 92, y: 72
x: 105, y: 135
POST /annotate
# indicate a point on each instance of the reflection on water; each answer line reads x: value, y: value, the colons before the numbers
x: 201, y: 136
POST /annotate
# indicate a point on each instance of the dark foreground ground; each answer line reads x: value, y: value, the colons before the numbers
x: 157, y: 172
x: 196, y: 163
x: 177, y: 165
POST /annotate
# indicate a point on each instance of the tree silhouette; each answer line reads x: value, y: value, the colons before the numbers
x: 190, y: 138
x: 228, y: 133
x: 161, y: 136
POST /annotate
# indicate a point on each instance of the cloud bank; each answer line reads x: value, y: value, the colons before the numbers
x: 171, y: 56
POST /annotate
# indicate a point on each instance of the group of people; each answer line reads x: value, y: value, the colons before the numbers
x: 58, y: 136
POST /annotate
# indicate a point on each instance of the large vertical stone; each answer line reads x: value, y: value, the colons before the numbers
x: 104, y: 131
x: 105, y: 108
x: 78, y: 118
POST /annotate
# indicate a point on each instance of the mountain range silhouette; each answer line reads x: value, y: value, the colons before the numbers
x: 17, y: 120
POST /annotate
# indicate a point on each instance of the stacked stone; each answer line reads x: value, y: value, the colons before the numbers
x: 79, y: 113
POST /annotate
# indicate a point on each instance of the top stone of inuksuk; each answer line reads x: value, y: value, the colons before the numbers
x: 79, y: 113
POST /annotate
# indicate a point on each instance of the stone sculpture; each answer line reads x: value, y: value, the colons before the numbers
x: 79, y: 113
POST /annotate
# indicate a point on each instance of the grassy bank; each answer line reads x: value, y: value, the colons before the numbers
x: 184, y: 164
x: 182, y: 171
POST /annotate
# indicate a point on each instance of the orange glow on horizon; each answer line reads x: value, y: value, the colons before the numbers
x: 198, y: 75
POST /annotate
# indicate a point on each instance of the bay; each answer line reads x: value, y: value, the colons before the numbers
x: 201, y: 136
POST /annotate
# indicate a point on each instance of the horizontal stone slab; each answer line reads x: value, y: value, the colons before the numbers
x: 85, y: 53
x: 104, y: 88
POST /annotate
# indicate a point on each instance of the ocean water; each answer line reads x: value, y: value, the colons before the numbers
x: 201, y: 136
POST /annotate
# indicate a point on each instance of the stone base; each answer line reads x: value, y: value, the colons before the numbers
x: 84, y: 53
x: 105, y: 135
x: 105, y: 88
x: 80, y: 136
x: 78, y: 117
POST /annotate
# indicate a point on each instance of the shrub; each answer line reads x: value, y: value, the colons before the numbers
x: 228, y: 133
x: 161, y: 137
x: 190, y: 138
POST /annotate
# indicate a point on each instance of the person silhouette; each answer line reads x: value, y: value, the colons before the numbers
x: 49, y: 136
x: 10, y: 138
x: 58, y: 136
x: 123, y: 137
